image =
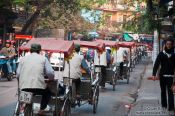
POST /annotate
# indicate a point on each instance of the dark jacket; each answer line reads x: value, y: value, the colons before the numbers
x: 167, y: 64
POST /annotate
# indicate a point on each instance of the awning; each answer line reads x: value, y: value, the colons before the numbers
x: 127, y: 37
x: 108, y: 43
x: 90, y: 44
x: 126, y: 44
x: 51, y: 45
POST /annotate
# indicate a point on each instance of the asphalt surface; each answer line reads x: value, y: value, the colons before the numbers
x: 8, y: 96
x: 111, y: 103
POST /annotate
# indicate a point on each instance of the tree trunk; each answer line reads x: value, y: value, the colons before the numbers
x: 31, y: 20
x: 34, y: 17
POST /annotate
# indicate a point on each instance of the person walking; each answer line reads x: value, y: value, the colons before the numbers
x: 166, y: 61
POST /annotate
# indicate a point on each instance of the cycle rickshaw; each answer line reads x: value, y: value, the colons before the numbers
x: 59, y: 104
x: 89, y: 85
x: 111, y: 72
x: 127, y: 64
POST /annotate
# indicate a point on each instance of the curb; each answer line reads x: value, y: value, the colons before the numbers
x: 139, y: 86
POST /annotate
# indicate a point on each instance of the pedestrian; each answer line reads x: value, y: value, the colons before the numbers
x: 166, y: 61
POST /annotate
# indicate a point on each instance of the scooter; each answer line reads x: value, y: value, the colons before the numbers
x: 4, y: 70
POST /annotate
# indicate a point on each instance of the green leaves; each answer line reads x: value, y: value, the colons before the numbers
x: 143, y: 24
x: 19, y: 2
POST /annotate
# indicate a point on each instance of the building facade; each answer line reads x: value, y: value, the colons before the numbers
x: 117, y: 12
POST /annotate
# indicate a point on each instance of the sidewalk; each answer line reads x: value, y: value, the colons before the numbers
x: 148, y: 101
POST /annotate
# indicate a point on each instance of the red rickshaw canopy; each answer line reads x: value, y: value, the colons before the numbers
x: 51, y: 45
x: 126, y: 44
x: 108, y: 43
x: 90, y: 44
x: 142, y: 44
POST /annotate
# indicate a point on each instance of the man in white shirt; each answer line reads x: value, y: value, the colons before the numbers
x: 32, y: 71
x: 121, y: 57
x: 76, y: 63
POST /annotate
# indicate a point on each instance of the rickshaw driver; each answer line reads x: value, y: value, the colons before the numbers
x: 32, y: 71
x: 109, y: 59
x: 109, y: 56
x: 76, y: 63
x: 121, y: 58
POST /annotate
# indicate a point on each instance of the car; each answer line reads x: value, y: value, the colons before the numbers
x: 57, y: 61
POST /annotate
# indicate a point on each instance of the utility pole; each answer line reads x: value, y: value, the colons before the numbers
x: 173, y: 19
x: 156, y: 42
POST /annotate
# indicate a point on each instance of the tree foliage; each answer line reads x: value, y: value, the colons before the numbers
x: 142, y: 24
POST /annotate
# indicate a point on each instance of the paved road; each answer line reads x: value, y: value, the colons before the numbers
x: 7, y: 96
x: 111, y: 103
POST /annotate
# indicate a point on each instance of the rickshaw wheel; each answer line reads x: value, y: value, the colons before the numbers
x: 67, y: 110
x: 127, y: 79
x: 114, y: 82
x: 9, y: 77
x: 17, y: 109
x: 28, y: 110
x: 95, y: 99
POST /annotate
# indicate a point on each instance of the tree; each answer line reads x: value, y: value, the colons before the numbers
x: 56, y: 15
x: 66, y: 8
x: 143, y: 21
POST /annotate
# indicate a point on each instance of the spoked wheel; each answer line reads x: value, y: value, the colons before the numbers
x: 28, y: 111
x: 66, y: 111
x: 127, y: 77
x: 17, y: 109
x: 9, y: 77
x: 95, y: 99
x: 114, y: 81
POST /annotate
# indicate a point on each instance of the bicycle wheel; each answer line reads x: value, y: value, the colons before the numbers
x: 9, y: 77
x: 95, y: 99
x: 114, y: 82
x: 128, y: 76
x: 17, y: 109
x: 28, y: 111
x: 66, y: 111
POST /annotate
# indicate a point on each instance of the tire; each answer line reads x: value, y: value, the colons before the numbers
x: 28, y: 110
x: 67, y: 109
x: 128, y: 76
x: 95, y: 99
x: 114, y: 82
x: 17, y: 109
x: 9, y: 77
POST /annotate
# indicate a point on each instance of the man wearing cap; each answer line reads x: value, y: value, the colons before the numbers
x: 9, y: 52
x: 32, y: 71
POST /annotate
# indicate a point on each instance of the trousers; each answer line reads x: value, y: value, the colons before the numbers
x: 46, y: 95
x: 165, y: 86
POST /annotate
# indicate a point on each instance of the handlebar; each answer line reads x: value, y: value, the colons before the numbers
x: 50, y: 80
x: 6, y: 58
